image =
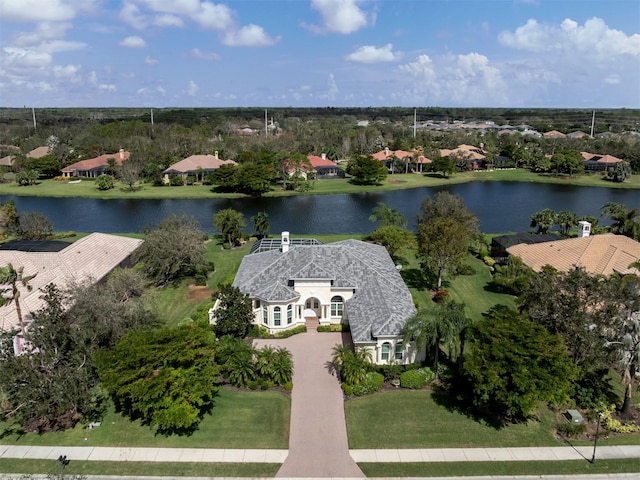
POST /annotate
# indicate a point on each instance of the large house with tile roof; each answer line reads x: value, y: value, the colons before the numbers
x: 598, y: 163
x: 324, y: 168
x: 196, y: 166
x: 37, y: 152
x: 94, y: 167
x: 347, y: 282
x: 413, y: 162
x: 90, y: 258
x: 603, y: 254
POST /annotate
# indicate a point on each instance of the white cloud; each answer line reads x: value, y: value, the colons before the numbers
x: 332, y: 89
x: 172, y: 13
x: 107, y: 87
x: 341, y: 16
x: 192, y: 88
x: 43, y: 10
x: 168, y: 20
x: 200, y: 55
x: 594, y: 37
x: 372, y: 54
x: 133, y: 42
x: 612, y: 79
x: 249, y: 36
x: 150, y: 60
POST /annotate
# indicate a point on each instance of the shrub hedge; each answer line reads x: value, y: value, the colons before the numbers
x: 334, y: 328
x: 416, y: 379
x: 291, y: 331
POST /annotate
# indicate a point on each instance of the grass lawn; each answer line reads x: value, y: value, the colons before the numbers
x: 418, y: 422
x: 451, y: 469
x: 118, y: 469
x: 87, y: 188
x: 238, y: 420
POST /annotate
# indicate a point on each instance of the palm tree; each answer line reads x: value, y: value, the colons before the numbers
x: 543, y: 220
x: 355, y: 366
x: 435, y: 329
x: 387, y: 216
x: 230, y: 223
x: 282, y: 366
x: 566, y: 220
x: 626, y: 220
x: 264, y: 361
x: 261, y: 224
x: 338, y: 354
x: 241, y: 368
x: 10, y: 276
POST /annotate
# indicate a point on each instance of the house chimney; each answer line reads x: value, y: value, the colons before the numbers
x: 215, y: 154
x: 386, y: 151
x: 324, y: 156
x: 584, y: 229
x: 285, y: 242
x: 122, y: 154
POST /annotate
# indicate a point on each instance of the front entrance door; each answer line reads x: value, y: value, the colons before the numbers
x: 312, y: 305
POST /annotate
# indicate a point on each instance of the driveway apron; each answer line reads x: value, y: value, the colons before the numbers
x: 318, y: 434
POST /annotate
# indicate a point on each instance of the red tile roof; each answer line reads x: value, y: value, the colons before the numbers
x: 475, y: 153
x: 386, y: 154
x: 194, y: 162
x: 317, y: 161
x: 553, y: 134
x: 600, y: 158
x: 101, y: 161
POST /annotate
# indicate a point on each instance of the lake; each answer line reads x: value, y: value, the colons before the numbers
x: 500, y: 206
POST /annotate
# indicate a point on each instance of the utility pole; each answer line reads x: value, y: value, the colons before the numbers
x: 593, y: 121
x: 266, y: 130
x: 152, y: 116
x: 414, y: 124
x: 33, y: 113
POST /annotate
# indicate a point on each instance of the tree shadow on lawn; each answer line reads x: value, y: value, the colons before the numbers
x: 416, y: 278
x: 454, y: 395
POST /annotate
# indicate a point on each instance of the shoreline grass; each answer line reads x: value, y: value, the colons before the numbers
x: 88, y: 189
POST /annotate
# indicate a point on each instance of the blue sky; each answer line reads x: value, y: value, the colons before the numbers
x: 316, y: 53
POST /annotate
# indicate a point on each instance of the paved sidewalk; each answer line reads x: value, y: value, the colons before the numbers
x: 124, y: 454
x: 494, y: 454
x: 318, y: 444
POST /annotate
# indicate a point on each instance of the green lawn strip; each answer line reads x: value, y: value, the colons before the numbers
x: 476, y: 469
x: 421, y: 423
x: 87, y: 188
x: 78, y: 467
x: 238, y: 420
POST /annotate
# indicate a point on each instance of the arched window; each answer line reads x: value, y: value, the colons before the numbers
x: 276, y: 316
x: 398, y: 351
x: 384, y: 353
x: 265, y: 315
x: 289, y: 314
x: 337, y: 306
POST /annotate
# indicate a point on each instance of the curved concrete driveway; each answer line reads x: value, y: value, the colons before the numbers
x: 318, y: 434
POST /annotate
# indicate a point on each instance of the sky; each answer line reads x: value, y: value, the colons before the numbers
x: 320, y: 53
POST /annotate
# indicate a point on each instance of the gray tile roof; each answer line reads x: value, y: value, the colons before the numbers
x: 380, y: 305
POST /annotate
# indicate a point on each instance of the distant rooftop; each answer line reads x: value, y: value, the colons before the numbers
x: 268, y: 244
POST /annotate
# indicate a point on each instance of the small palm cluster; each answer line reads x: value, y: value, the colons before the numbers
x: 352, y: 367
x: 245, y: 366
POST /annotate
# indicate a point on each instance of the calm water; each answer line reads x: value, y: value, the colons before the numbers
x: 500, y: 206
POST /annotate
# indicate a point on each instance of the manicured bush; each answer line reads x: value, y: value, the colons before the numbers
x: 489, y: 261
x: 291, y: 331
x: 333, y: 328
x: 288, y: 386
x: 371, y: 383
x: 416, y: 379
x: 347, y: 389
x: 176, y: 181
x: 200, y: 279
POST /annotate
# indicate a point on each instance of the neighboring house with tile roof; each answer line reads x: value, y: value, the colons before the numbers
x: 94, y: 167
x: 553, y: 134
x: 475, y: 157
x: 37, y: 152
x: 598, y: 163
x: 603, y: 254
x: 91, y: 258
x: 196, y: 166
x: 347, y: 282
x: 413, y: 162
x: 325, y: 168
